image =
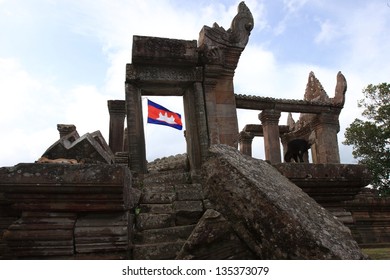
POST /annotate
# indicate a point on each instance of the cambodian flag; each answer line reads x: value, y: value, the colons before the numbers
x: 157, y: 114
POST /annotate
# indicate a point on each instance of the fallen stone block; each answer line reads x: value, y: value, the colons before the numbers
x: 274, y: 217
x: 214, y: 239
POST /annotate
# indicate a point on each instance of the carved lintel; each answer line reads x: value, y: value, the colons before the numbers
x: 164, y: 51
x: 139, y: 74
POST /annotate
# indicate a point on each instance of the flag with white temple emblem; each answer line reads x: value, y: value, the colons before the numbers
x: 158, y: 114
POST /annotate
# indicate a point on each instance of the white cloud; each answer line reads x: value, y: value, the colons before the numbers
x: 25, y: 114
x: 292, y: 6
x: 328, y: 32
x: 291, y: 10
x: 86, y: 108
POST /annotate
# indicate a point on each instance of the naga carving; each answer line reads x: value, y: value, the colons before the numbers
x: 215, y: 40
x: 241, y: 26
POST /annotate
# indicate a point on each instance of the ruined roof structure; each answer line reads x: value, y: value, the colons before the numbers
x: 86, y: 199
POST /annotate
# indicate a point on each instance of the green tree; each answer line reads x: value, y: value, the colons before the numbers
x: 370, y: 138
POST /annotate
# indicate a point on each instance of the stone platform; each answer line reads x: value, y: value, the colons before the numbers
x: 329, y: 184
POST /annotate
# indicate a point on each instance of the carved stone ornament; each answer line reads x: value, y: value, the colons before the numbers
x: 241, y: 26
x: 214, y: 40
x: 315, y: 90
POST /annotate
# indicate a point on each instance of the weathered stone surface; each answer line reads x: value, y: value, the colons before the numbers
x: 164, y: 235
x: 89, y: 148
x: 153, y: 221
x: 156, y: 208
x: 41, y: 235
x: 157, y: 251
x: 189, y: 192
x: 117, y: 110
x: 153, y: 197
x: 64, y: 187
x: 150, y: 77
x: 274, y: 217
x: 213, y: 238
x: 164, y: 51
x: 371, y: 215
x: 188, y: 212
x: 167, y: 177
x: 315, y: 90
x: 163, y: 222
x: 65, y: 129
x: 176, y: 162
x: 327, y: 183
x: 95, y: 233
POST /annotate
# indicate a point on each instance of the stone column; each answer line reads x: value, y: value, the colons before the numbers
x: 245, y: 142
x: 125, y: 141
x: 117, y: 110
x: 220, y: 51
x: 135, y: 129
x: 270, y: 120
x: 326, y: 148
x: 65, y: 129
x: 196, y: 126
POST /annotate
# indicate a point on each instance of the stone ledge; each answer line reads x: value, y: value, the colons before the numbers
x: 65, y: 187
x: 327, y: 182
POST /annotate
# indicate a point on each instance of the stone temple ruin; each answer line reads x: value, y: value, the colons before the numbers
x: 86, y: 199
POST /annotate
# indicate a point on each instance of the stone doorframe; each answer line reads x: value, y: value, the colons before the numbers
x: 165, y: 67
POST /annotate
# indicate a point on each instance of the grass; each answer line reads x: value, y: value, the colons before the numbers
x: 377, y: 253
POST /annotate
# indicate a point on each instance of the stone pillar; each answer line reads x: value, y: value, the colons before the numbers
x: 270, y: 120
x: 135, y: 129
x: 125, y: 141
x: 196, y: 126
x: 117, y: 110
x: 245, y: 142
x: 65, y: 129
x: 326, y: 148
x: 220, y: 51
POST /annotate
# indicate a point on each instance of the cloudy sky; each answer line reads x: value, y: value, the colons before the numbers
x: 60, y: 61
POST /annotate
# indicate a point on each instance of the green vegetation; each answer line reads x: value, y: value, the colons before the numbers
x: 377, y: 253
x: 370, y: 138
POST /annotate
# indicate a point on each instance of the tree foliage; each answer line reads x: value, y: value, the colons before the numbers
x: 370, y: 138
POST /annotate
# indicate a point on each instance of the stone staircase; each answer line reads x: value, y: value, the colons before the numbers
x: 171, y: 205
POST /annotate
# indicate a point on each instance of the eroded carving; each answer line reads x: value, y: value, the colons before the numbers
x: 214, y: 41
x: 241, y: 26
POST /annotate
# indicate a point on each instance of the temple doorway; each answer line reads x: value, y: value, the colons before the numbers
x: 160, y: 140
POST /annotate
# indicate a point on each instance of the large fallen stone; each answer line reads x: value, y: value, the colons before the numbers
x: 274, y: 217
